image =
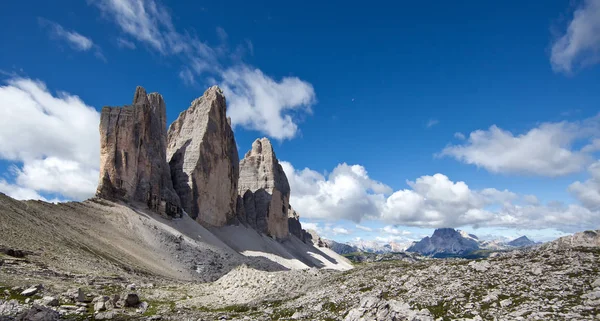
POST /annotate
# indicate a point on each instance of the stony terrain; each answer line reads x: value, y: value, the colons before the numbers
x: 552, y: 282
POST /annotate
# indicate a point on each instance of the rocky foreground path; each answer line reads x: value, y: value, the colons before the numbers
x: 538, y: 284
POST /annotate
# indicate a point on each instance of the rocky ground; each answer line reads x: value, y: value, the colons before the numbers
x: 540, y: 284
x: 98, y: 260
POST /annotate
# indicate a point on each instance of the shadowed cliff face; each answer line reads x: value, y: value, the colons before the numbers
x: 266, y: 190
x: 203, y: 157
x: 133, y: 163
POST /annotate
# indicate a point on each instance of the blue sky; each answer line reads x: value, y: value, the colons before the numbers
x: 365, y: 103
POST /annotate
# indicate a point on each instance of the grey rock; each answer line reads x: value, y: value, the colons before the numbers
x: 132, y: 300
x: 10, y: 308
x: 142, y: 307
x: 48, y: 301
x: 262, y: 175
x: 133, y: 164
x: 295, y: 227
x: 480, y: 266
x: 108, y: 315
x: 31, y: 291
x: 203, y: 158
x: 505, y: 303
x: 39, y: 313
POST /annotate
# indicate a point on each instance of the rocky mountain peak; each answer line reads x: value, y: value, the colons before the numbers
x: 521, y: 241
x: 265, y: 190
x: 133, y: 163
x: 140, y: 96
x: 445, y: 241
x: 204, y: 160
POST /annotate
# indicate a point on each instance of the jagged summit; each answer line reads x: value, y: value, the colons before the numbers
x: 203, y: 159
x: 133, y: 163
x: 264, y: 190
x: 445, y: 241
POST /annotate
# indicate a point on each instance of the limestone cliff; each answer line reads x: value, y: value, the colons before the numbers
x: 295, y: 227
x: 204, y: 161
x: 265, y: 190
x: 133, y: 164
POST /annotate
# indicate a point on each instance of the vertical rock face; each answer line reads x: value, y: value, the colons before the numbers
x: 204, y: 161
x: 265, y: 190
x: 295, y: 227
x: 133, y: 164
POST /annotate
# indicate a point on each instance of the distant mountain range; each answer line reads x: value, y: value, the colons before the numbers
x: 445, y: 242
x: 367, y: 246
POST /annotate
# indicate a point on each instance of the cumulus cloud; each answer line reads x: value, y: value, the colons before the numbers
x: 579, y: 46
x: 346, y: 193
x: 588, y: 192
x: 256, y: 101
x: 52, y: 136
x: 546, y: 150
x: 19, y: 192
x: 431, y: 201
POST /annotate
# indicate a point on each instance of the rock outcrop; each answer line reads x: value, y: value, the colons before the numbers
x: 295, y: 227
x: 133, y: 165
x: 204, y: 161
x: 265, y: 190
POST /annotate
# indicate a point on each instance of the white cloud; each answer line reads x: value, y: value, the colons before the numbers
x: 580, y: 45
x: 338, y: 230
x: 588, y: 192
x: 545, y: 150
x: 394, y: 231
x: 66, y: 177
x: 19, y: 192
x: 124, y: 43
x: 460, y: 136
x: 430, y: 202
x: 256, y: 101
x: 311, y: 226
x: 54, y: 137
x: 187, y: 76
x: 364, y: 228
x: 347, y: 193
x: 531, y: 199
x: 75, y: 40
x: 431, y: 123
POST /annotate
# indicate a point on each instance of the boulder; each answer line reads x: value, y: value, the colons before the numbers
x: 48, y: 301
x: 132, y: 300
x: 39, y: 313
x: 203, y: 159
x: 32, y: 290
x: 133, y: 165
x: 267, y: 204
